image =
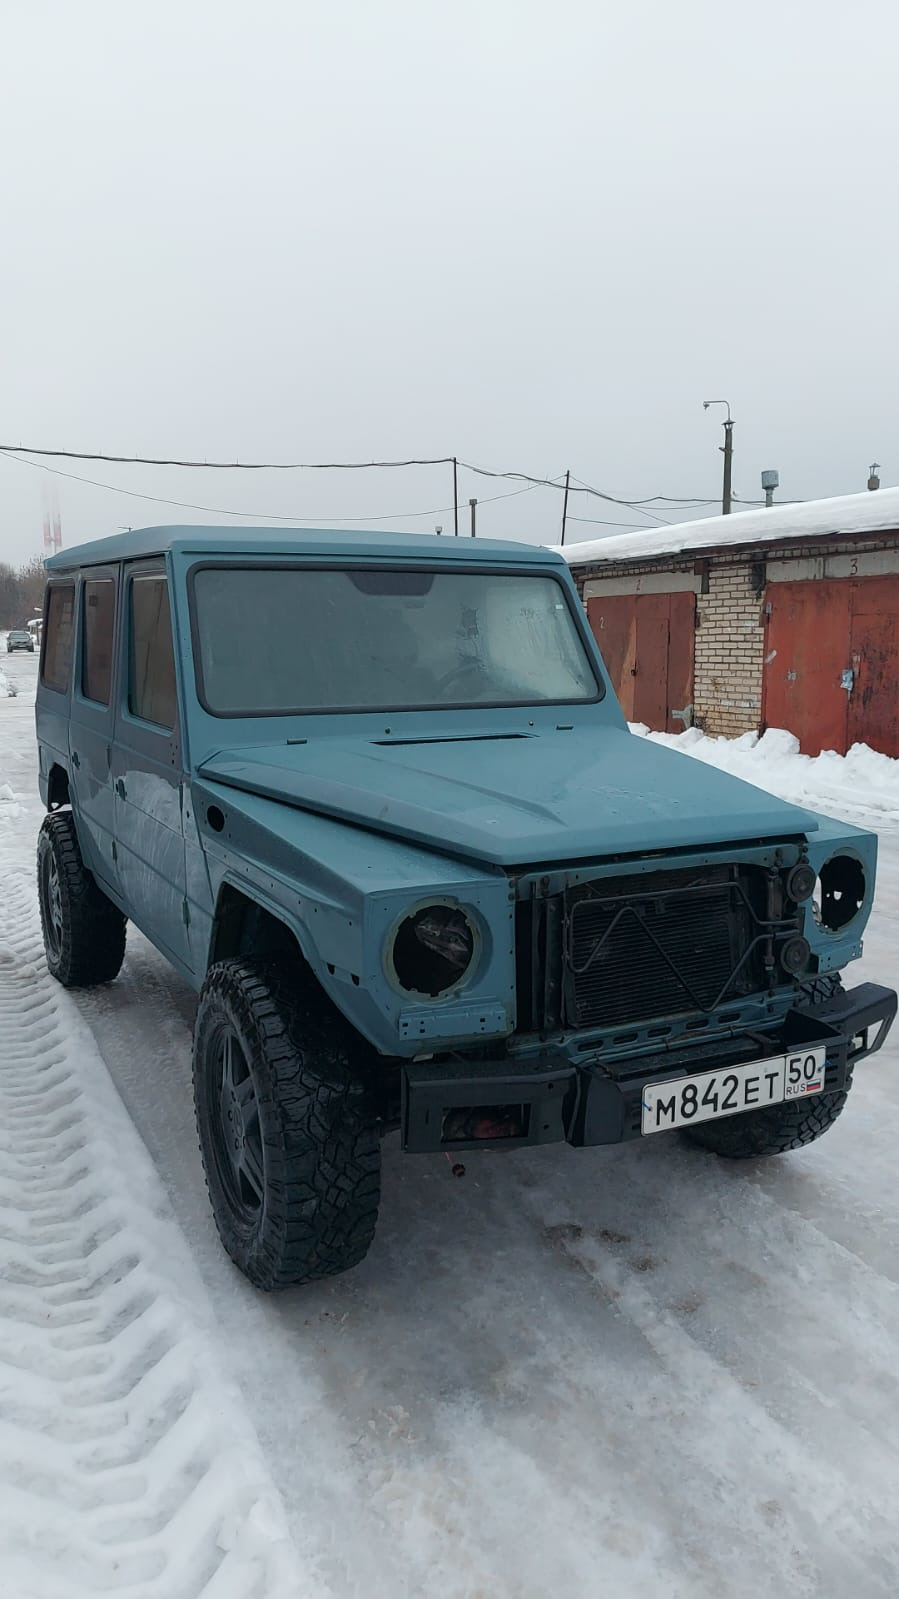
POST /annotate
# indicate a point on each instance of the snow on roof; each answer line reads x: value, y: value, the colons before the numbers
x: 871, y: 512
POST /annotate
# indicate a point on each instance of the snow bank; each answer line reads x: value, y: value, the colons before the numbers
x: 861, y: 779
x: 6, y: 689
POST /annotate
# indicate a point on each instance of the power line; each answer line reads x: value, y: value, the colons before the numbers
x: 598, y: 521
x: 262, y: 516
x: 225, y: 466
x: 653, y: 516
x: 19, y: 450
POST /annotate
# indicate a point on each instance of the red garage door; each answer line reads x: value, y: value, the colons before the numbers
x: 647, y: 644
x: 831, y: 664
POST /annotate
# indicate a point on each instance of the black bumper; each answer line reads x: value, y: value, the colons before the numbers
x: 444, y: 1103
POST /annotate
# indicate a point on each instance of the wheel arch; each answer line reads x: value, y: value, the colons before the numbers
x: 58, y: 790
x: 243, y: 925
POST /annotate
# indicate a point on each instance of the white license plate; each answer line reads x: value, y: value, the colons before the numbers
x: 684, y: 1100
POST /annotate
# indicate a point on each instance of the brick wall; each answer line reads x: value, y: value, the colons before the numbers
x: 730, y: 636
x: 730, y: 618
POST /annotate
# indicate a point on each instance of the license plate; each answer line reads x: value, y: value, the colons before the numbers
x: 684, y: 1100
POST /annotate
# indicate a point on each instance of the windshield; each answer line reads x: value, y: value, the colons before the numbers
x: 273, y: 640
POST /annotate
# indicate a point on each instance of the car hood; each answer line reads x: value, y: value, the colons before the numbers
x: 561, y: 796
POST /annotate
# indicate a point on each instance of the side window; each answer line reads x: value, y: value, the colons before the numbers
x: 98, y: 636
x: 56, y: 657
x: 151, y: 686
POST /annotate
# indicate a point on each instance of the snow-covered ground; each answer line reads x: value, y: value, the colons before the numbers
x: 631, y: 1373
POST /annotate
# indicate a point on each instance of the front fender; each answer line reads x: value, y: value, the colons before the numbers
x: 833, y: 950
x: 341, y: 890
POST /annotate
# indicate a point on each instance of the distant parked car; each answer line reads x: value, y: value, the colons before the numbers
x: 19, y: 639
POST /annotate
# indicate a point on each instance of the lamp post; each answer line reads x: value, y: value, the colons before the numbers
x: 728, y: 453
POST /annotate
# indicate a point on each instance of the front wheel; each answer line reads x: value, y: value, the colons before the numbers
x: 776, y: 1129
x: 287, y: 1126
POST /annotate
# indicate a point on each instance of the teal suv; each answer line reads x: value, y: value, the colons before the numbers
x: 373, y: 797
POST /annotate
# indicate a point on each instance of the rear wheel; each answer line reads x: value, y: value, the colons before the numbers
x: 287, y: 1126
x: 84, y: 933
x: 778, y: 1128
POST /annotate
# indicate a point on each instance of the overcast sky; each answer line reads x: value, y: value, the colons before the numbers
x: 535, y: 235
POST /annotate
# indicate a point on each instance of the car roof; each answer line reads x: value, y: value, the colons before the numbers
x: 203, y: 540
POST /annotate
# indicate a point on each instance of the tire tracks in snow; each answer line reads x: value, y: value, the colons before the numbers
x: 126, y: 1462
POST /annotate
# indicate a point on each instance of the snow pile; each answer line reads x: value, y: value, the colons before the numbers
x: 9, y: 803
x: 861, y: 779
x: 7, y: 692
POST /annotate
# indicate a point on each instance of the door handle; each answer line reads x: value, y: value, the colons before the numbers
x: 120, y: 787
x: 76, y: 758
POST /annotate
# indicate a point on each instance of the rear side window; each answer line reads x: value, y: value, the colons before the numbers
x: 151, y: 687
x: 59, y: 614
x: 98, y: 624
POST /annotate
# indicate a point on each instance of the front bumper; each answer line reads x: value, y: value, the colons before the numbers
x: 444, y: 1103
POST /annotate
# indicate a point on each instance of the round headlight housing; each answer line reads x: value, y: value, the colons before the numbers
x: 841, y: 892
x: 433, y: 949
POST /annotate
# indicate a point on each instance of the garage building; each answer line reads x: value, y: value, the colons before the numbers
x: 783, y: 617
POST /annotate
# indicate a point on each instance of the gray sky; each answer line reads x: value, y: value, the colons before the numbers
x: 533, y: 235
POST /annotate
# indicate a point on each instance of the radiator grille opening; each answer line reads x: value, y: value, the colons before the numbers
x: 625, y: 950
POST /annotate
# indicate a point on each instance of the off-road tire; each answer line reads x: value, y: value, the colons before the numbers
x: 778, y: 1128
x: 84, y: 933
x: 316, y: 1206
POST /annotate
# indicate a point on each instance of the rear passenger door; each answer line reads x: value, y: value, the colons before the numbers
x: 54, y: 687
x: 147, y: 766
x: 92, y: 721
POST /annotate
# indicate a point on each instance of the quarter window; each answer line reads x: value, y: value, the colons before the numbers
x: 98, y: 624
x: 151, y: 689
x: 56, y: 660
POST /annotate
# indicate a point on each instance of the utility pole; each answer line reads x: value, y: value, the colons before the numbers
x: 455, y: 498
x: 565, y: 505
x: 727, y: 451
x: 474, y: 507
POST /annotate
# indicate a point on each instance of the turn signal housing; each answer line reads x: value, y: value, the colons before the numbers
x: 794, y: 955
x: 801, y: 882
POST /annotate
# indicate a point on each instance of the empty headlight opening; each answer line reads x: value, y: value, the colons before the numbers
x: 433, y: 949
x: 840, y: 894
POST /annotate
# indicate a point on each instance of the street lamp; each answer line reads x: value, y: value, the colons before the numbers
x: 728, y: 453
